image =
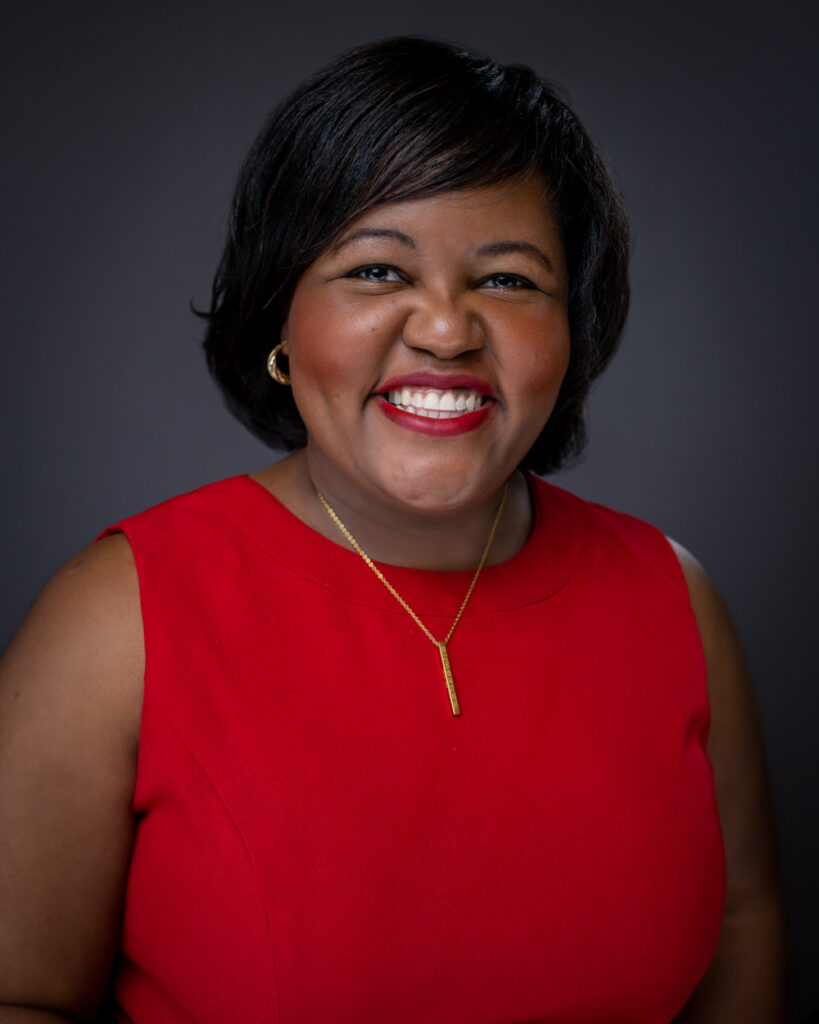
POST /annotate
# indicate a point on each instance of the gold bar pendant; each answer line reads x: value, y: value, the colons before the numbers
x: 450, y: 682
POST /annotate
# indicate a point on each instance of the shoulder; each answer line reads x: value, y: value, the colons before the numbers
x: 727, y: 670
x: 184, y: 517
x: 614, y: 537
x: 730, y: 693
x: 96, y: 590
x: 735, y: 742
x: 81, y: 643
x: 107, y: 564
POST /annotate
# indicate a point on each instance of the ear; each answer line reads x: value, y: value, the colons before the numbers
x: 283, y: 338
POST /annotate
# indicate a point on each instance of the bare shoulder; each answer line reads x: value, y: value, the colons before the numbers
x: 710, y: 610
x: 70, y: 705
x: 730, y: 691
x: 103, y: 571
x: 82, y: 640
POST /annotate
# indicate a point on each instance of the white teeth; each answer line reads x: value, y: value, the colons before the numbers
x: 435, y: 403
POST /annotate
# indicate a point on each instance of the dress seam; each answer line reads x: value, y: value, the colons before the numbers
x: 223, y: 803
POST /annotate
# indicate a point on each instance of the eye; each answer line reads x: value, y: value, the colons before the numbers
x: 376, y: 272
x: 506, y: 281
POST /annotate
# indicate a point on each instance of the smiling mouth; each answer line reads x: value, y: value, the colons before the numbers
x: 436, y: 403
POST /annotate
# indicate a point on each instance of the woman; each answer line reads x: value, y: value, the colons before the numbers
x: 393, y: 730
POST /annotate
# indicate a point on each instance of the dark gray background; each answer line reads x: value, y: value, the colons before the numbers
x: 123, y: 128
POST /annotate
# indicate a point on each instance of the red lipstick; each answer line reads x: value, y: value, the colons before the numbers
x: 444, y: 426
x: 435, y: 427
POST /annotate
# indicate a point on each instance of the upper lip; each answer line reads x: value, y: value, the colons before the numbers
x: 439, y: 381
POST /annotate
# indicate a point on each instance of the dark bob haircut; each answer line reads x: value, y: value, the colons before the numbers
x: 393, y: 120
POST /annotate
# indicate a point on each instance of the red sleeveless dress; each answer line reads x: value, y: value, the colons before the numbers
x: 320, y: 840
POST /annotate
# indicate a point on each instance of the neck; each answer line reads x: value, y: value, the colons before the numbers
x: 450, y: 540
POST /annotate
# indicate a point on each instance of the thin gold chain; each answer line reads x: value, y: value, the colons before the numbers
x: 333, y: 515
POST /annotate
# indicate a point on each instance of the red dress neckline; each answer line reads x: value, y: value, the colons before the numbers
x: 542, y: 566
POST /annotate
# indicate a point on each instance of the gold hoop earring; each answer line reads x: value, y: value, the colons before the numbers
x: 276, y: 372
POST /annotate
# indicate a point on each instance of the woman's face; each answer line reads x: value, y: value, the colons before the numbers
x: 427, y: 346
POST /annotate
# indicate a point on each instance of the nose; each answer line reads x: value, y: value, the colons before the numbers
x: 444, y: 324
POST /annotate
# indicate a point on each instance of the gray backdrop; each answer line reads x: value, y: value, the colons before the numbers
x: 123, y: 130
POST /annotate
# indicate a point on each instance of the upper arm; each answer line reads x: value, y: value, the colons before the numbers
x: 735, y: 743
x: 70, y: 700
x: 746, y: 978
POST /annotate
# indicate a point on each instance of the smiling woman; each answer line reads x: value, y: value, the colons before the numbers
x: 453, y: 300
x: 393, y: 729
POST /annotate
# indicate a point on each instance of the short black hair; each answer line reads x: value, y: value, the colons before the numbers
x: 392, y: 120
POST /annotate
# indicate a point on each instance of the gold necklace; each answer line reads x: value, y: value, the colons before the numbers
x: 440, y: 644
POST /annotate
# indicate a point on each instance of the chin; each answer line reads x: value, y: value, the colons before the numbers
x: 434, y: 492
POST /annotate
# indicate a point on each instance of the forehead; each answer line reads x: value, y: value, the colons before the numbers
x: 513, y: 208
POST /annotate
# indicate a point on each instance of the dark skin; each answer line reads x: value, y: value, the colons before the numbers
x: 71, y: 682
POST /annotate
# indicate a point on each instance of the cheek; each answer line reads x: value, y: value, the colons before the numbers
x: 330, y: 341
x: 321, y: 364
x: 539, y: 366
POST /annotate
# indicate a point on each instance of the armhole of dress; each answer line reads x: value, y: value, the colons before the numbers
x: 111, y: 531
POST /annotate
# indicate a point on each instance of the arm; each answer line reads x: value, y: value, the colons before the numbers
x: 70, y: 701
x: 746, y: 979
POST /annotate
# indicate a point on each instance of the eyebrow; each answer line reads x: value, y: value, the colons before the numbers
x: 491, y: 249
x: 397, y: 236
x: 505, y: 248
